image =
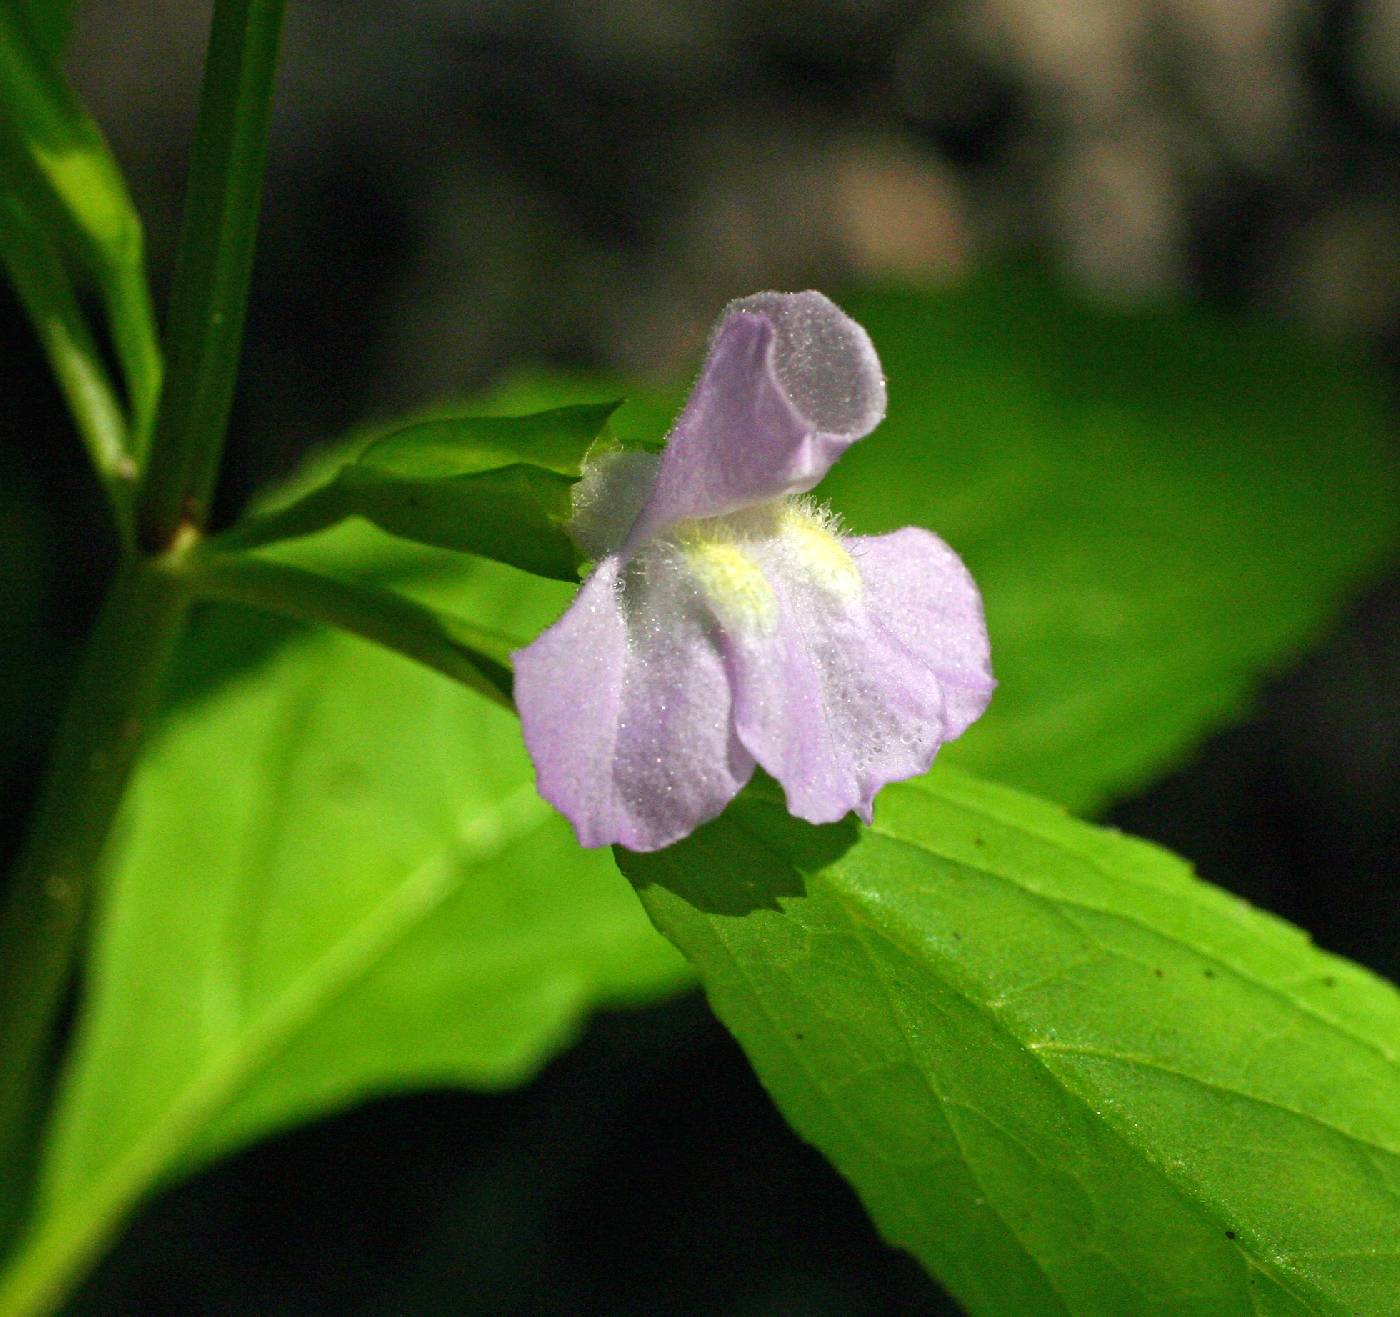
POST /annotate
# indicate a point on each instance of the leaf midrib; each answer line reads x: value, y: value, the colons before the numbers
x: 1053, y: 1048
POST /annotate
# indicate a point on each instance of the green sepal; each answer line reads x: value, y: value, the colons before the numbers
x: 559, y: 440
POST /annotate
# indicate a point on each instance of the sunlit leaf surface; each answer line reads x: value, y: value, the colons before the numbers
x: 1062, y: 1072
x: 334, y: 878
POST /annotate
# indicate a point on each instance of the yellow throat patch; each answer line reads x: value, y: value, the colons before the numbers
x: 719, y: 553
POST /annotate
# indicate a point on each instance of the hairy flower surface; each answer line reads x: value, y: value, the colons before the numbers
x: 729, y: 622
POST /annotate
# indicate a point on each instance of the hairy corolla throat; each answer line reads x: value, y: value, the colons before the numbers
x: 808, y: 537
x: 727, y: 573
x: 723, y: 555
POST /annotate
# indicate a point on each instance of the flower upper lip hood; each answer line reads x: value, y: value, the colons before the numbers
x: 729, y: 622
x: 789, y: 383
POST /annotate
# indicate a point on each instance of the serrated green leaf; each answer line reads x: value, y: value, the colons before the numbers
x: 1158, y: 507
x: 333, y: 879
x: 1061, y: 1071
x: 494, y: 486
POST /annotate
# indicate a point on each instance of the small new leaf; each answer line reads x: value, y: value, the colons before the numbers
x: 558, y: 440
x: 494, y: 486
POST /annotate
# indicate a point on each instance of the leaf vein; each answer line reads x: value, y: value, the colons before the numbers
x: 1148, y: 1063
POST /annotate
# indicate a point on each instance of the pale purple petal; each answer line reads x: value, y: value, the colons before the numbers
x: 789, y: 384
x: 728, y: 624
x: 844, y: 694
x: 922, y: 597
x: 626, y: 712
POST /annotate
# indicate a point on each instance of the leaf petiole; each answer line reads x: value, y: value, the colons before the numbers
x: 475, y: 656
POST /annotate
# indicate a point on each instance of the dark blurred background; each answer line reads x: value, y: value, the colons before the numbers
x: 458, y: 187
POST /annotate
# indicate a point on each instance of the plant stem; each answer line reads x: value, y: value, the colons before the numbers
x: 115, y: 693
x: 128, y: 651
x: 212, y: 268
x: 119, y: 679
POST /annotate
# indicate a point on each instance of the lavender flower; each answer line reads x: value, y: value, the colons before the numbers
x: 729, y: 622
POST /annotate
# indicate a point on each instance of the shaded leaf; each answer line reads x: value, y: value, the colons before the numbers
x: 54, y: 157
x: 48, y: 23
x: 41, y: 283
x: 1159, y: 507
x: 1061, y: 1071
